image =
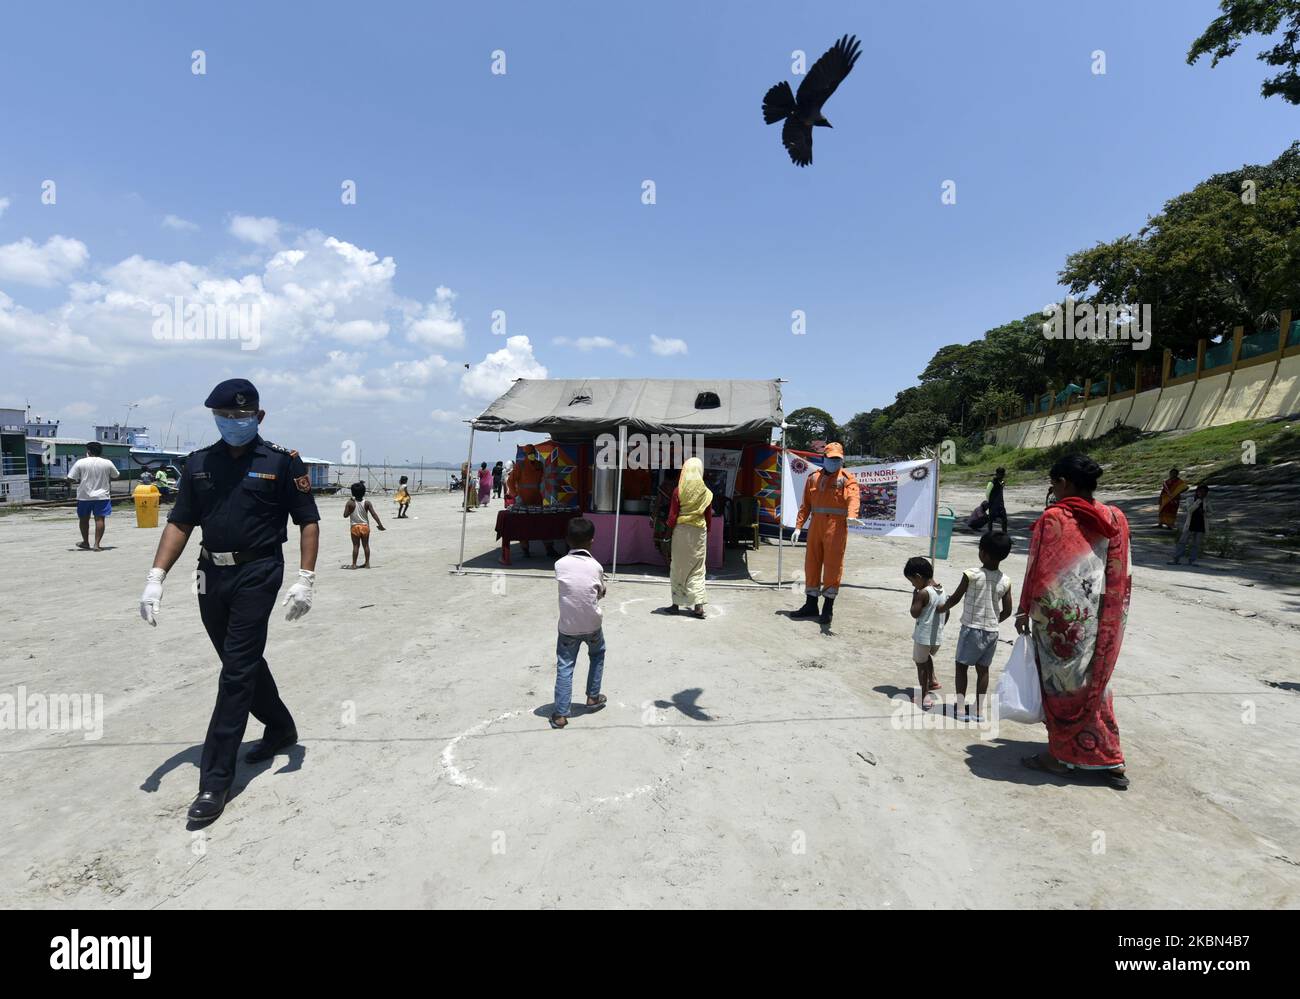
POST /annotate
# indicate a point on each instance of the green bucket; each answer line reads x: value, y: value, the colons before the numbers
x: 943, y: 534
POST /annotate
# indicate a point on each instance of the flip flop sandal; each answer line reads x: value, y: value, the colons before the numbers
x: 601, y: 701
x: 699, y: 614
x: 1117, y: 781
x: 559, y: 721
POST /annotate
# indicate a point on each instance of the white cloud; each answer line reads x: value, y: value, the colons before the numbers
x: 342, y: 377
x: 74, y: 410
x: 4, y: 205
x: 589, y: 343
x: 317, y: 293
x: 447, y: 416
x: 436, y: 324
x: 178, y: 223
x: 43, y: 266
x: 262, y: 231
x: 45, y: 335
x: 667, y: 346
x: 356, y: 331
x: 494, y: 375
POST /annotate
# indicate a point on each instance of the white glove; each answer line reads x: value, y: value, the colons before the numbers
x: 151, y: 599
x: 299, y: 596
x: 794, y: 538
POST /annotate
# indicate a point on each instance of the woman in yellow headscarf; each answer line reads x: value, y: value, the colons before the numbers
x: 688, y: 520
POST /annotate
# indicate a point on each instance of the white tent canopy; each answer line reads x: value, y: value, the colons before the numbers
x: 591, y: 406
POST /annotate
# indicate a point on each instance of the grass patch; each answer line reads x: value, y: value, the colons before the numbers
x: 1132, y: 458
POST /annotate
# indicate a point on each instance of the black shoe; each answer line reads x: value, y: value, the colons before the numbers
x: 270, y: 745
x: 208, y: 805
x: 828, y: 609
x: 809, y: 608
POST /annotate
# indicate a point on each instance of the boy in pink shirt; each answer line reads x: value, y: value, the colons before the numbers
x: 582, y: 585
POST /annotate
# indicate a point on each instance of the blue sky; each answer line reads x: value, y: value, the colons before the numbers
x: 522, y: 192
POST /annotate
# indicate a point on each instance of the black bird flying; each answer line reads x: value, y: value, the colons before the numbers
x: 803, y: 112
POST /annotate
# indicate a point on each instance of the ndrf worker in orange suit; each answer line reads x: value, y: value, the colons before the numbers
x: 830, y: 497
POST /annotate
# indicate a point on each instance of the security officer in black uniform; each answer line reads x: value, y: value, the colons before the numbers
x: 240, y: 490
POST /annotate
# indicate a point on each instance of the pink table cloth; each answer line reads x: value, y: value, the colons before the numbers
x: 636, y: 540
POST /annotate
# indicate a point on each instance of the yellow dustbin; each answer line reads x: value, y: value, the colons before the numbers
x: 146, y: 505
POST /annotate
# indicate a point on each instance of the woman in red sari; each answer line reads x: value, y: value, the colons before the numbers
x: 1171, y: 495
x: 1076, y: 596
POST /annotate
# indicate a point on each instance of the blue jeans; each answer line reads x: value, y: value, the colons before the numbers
x: 1195, y: 538
x: 566, y: 657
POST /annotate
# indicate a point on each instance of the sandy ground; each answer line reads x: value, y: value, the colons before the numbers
x: 746, y: 760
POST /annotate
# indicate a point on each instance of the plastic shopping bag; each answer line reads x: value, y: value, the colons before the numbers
x: 1020, y: 693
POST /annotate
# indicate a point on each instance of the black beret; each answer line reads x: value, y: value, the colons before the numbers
x: 233, y: 393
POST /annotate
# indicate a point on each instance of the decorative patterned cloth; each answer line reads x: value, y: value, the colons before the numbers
x: 1076, y: 593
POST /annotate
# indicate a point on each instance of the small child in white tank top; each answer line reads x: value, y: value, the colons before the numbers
x: 988, y: 603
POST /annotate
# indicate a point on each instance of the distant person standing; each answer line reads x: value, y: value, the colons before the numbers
x: 93, y: 475
x: 484, y: 484
x: 689, y: 517
x: 403, y: 498
x: 240, y: 490
x: 997, y: 503
x: 498, y: 478
x: 1171, y: 496
x: 1196, y: 526
x: 359, y: 510
x: 508, y: 482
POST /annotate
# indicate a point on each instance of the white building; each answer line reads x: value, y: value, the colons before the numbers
x: 13, y: 456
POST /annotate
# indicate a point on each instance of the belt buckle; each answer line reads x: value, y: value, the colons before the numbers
x: 222, y: 558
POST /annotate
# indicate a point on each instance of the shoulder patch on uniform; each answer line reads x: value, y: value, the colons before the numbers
x: 303, y: 482
x: 277, y: 447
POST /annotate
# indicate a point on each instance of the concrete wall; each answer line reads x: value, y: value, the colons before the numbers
x: 1255, y: 392
x: 1090, y: 421
x: 1170, y: 406
x: 1245, y: 392
x: 1144, y: 404
x: 1283, y: 396
x: 1116, y: 409
x: 1206, y: 395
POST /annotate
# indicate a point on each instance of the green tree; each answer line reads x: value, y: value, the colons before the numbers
x: 809, y: 424
x: 913, y: 431
x: 1242, y: 18
x: 992, y: 400
x: 860, y: 434
x: 1224, y: 254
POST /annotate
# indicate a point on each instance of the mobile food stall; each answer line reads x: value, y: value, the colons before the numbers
x: 614, y: 448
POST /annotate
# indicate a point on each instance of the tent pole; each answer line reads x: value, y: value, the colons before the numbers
x: 934, y: 516
x: 618, y: 493
x: 780, y: 512
x: 464, y: 502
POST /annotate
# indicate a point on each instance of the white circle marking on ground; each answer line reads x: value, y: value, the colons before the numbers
x: 462, y: 779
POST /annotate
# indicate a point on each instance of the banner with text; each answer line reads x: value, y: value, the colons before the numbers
x: 897, y: 500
